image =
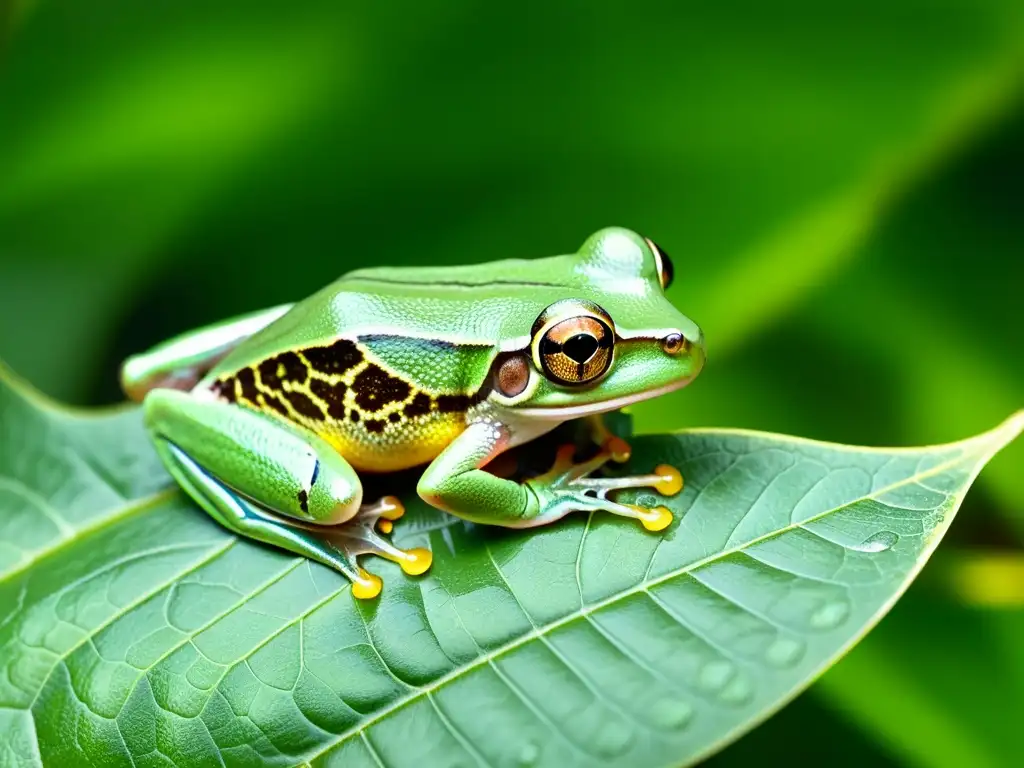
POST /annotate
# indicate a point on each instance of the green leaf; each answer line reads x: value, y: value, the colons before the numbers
x: 135, y: 630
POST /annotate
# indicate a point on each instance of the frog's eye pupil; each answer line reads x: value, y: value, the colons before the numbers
x: 580, y: 347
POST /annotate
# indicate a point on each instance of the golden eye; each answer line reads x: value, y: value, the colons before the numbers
x: 665, y: 269
x: 576, y: 350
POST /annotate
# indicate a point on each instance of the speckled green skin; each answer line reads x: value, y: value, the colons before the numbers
x: 437, y: 329
x: 495, y: 305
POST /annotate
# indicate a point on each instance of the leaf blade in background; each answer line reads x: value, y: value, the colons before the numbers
x: 921, y: 719
x: 156, y: 633
x: 728, y: 145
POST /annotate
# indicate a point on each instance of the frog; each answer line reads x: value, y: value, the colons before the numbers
x: 268, y: 420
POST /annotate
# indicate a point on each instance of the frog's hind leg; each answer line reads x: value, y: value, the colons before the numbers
x: 182, y: 361
x: 265, y: 481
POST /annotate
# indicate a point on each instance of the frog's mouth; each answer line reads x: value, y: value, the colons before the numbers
x: 564, y: 413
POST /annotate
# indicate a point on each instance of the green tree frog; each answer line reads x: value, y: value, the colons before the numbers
x: 266, y: 420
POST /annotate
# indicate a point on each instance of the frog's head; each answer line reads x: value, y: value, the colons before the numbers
x: 614, y: 339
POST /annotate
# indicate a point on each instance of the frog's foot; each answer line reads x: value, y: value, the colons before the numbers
x: 568, y: 486
x: 617, y: 449
x: 311, y: 508
x: 359, y: 536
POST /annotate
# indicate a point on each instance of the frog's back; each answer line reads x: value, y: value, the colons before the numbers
x: 386, y: 365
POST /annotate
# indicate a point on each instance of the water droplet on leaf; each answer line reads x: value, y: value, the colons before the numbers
x: 739, y: 691
x: 785, y: 652
x: 715, y: 675
x: 878, y: 542
x: 613, y: 740
x: 830, y: 615
x: 671, y: 713
x: 528, y: 754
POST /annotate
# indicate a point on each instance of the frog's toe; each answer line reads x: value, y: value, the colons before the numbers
x: 343, y: 544
x: 366, y: 585
x: 652, y: 518
x: 388, y: 508
x: 382, y: 513
x: 670, y: 480
x: 618, y: 449
x: 665, y: 479
x: 360, y: 536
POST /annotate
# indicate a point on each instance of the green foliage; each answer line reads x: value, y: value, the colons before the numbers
x: 148, y: 632
x: 838, y: 185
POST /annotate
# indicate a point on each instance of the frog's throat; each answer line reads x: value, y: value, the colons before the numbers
x: 564, y: 413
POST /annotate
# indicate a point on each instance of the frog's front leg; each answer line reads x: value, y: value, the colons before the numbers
x: 284, y: 487
x: 457, y: 483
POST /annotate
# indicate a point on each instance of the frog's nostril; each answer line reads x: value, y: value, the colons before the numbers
x: 673, y: 344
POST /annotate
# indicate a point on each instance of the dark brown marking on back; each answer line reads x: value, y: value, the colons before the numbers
x: 273, y: 401
x: 225, y: 388
x: 420, y: 406
x: 461, y: 403
x: 303, y: 501
x: 284, y: 367
x: 336, y: 358
x: 394, y: 417
x: 374, y: 425
x: 332, y: 394
x: 453, y: 403
x: 353, y: 416
x: 304, y: 406
x: 247, y: 380
x: 375, y: 388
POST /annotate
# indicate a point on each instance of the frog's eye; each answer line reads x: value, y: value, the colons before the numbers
x: 665, y: 269
x: 574, y: 348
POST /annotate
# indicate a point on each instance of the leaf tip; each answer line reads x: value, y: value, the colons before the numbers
x: 1009, y: 430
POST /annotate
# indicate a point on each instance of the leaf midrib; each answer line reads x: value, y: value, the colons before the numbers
x: 98, y: 524
x: 643, y: 586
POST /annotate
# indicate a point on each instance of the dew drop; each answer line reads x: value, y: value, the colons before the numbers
x: 715, y: 675
x: 613, y: 740
x: 671, y: 713
x: 830, y: 615
x: 528, y: 754
x: 785, y: 652
x: 878, y: 542
x: 739, y: 691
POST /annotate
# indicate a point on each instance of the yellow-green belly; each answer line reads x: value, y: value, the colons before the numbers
x: 399, y: 446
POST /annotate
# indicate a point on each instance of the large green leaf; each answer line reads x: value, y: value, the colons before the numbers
x: 135, y: 630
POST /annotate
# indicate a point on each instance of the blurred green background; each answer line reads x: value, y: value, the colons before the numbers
x: 840, y: 185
